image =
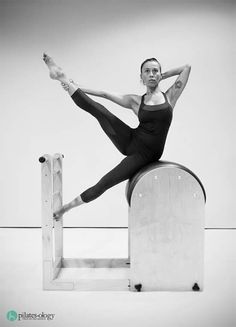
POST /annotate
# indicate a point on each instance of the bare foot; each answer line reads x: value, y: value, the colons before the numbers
x: 75, y: 203
x: 59, y: 213
x: 55, y: 72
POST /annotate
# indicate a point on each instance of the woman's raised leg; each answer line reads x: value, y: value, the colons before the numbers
x: 119, y: 133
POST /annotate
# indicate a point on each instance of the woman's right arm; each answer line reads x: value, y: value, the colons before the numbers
x: 130, y: 101
x: 127, y: 101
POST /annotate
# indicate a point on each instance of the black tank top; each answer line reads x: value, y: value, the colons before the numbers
x: 154, y: 124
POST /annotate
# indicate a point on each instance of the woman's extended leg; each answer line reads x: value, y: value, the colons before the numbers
x: 123, y: 171
x: 119, y: 133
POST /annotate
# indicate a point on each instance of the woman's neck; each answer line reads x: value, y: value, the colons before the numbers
x: 152, y: 91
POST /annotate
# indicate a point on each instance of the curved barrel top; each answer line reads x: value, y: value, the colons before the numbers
x: 157, y: 164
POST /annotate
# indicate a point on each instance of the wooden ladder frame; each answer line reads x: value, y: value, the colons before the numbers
x: 61, y: 273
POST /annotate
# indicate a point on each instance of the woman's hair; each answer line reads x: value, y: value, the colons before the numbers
x: 150, y: 59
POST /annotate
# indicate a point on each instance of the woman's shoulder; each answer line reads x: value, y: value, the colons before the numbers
x: 137, y: 98
x: 136, y: 101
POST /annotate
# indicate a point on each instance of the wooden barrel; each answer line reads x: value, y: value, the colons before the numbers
x: 166, y: 228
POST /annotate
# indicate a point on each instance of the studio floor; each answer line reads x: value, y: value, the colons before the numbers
x: 21, y: 285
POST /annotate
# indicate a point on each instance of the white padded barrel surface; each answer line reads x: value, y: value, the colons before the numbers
x: 166, y: 229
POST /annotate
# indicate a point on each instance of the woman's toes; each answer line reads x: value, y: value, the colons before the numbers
x: 58, y: 213
x: 45, y: 57
x: 56, y: 216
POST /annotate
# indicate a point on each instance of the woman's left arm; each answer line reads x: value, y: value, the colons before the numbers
x: 174, y: 92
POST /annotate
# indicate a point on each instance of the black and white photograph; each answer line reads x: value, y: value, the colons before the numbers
x: 117, y: 132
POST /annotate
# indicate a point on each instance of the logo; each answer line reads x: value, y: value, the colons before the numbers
x: 12, y: 315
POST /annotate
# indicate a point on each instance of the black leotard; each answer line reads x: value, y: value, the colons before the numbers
x: 140, y: 145
x: 154, y: 124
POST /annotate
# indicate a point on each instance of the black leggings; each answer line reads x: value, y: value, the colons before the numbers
x: 122, y: 137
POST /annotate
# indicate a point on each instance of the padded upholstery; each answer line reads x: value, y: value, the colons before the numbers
x: 155, y: 165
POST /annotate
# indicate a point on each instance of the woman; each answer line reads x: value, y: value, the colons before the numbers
x: 140, y: 145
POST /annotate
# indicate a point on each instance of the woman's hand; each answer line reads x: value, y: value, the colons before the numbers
x: 163, y: 76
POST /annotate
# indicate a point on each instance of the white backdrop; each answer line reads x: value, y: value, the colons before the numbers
x: 101, y: 45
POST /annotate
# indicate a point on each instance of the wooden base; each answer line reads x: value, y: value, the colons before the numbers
x: 90, y: 275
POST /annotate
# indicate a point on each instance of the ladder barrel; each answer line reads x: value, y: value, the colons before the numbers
x: 166, y: 234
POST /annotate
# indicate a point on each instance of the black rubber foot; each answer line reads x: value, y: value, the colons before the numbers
x: 196, y: 287
x: 138, y: 287
x: 42, y: 159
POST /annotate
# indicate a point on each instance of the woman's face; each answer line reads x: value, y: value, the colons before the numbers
x: 151, y: 73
